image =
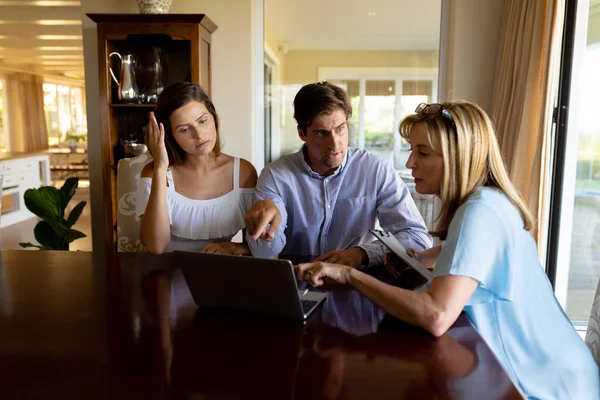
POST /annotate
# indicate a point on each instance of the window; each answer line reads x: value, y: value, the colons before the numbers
x: 380, y: 98
x: 577, y: 254
x: 65, y: 117
x: 584, y: 258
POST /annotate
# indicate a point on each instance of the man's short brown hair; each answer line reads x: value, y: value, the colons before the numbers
x: 319, y: 98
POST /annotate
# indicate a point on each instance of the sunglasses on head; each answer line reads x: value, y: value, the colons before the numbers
x: 435, y: 109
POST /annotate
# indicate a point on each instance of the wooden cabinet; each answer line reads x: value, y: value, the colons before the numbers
x: 158, y: 49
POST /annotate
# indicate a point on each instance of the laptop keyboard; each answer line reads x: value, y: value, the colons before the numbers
x: 307, y: 305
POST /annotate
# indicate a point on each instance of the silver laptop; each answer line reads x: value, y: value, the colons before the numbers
x: 246, y: 283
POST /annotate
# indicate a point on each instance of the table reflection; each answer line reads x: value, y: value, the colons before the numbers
x: 344, y: 351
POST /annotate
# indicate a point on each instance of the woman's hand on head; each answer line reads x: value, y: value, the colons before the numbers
x: 317, y: 273
x: 155, y: 140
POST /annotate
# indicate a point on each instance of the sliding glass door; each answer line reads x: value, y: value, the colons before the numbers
x: 574, y: 245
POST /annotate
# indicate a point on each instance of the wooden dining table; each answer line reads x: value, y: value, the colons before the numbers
x: 81, y: 325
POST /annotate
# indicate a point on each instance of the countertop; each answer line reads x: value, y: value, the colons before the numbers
x: 13, y: 155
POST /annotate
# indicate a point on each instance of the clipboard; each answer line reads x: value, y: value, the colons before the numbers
x: 396, y: 247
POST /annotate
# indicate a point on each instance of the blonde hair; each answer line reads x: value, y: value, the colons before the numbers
x: 471, y: 158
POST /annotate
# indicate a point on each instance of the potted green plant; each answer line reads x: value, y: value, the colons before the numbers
x: 54, y: 232
x: 73, y: 139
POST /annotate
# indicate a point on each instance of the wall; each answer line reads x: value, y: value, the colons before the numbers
x: 233, y: 87
x: 302, y: 65
x: 273, y: 53
x: 473, y: 34
x: 236, y: 87
x: 273, y: 43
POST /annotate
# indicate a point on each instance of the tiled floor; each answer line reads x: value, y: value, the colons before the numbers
x: 11, y: 236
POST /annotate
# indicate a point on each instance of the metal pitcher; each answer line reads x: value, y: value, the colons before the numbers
x: 128, y: 90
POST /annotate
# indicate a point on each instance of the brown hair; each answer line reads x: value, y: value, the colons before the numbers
x: 471, y: 158
x: 319, y: 98
x: 172, y: 98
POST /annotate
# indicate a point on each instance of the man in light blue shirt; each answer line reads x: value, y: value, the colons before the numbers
x: 322, y: 200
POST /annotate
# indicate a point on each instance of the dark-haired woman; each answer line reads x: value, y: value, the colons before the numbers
x: 192, y: 196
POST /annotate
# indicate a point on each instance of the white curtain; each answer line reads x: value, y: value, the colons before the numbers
x: 25, y: 106
x: 525, y: 86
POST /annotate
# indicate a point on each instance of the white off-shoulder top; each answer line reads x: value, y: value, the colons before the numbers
x: 195, y: 223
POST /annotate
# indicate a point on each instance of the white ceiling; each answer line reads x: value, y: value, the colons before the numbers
x: 355, y: 24
x: 42, y: 36
x: 45, y: 36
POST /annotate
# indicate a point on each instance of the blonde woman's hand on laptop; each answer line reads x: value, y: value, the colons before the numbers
x: 226, y: 248
x: 318, y: 272
x: 263, y: 214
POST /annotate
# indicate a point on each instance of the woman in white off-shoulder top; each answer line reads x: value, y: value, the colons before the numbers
x: 192, y: 196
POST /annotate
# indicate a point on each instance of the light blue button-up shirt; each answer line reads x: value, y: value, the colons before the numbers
x: 321, y: 214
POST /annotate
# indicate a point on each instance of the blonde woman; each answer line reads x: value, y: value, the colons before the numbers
x: 487, y: 265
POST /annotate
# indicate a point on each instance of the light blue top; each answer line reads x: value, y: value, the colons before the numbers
x: 513, y: 307
x: 322, y: 214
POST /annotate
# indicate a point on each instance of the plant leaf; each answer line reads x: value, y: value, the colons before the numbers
x: 74, y: 234
x: 29, y: 244
x: 69, y: 187
x: 46, y: 236
x: 59, y: 228
x: 75, y: 213
x: 47, y: 202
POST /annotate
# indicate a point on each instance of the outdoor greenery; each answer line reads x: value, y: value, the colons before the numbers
x: 588, y: 169
x: 588, y: 184
x: 54, y: 232
x: 382, y: 140
x: 71, y: 135
x: 587, y: 201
